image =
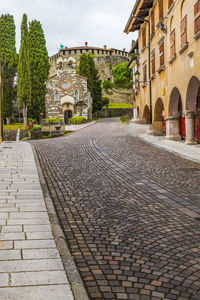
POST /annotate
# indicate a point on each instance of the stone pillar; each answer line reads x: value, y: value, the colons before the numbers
x: 172, y: 128
x: 190, y: 128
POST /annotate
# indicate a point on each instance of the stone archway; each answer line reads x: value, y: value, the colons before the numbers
x: 192, y: 112
x: 175, y: 123
x: 67, y: 116
x: 158, y: 122
x: 146, y: 114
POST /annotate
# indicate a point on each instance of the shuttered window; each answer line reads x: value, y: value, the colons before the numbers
x: 184, y: 31
x: 197, y: 8
x: 152, y: 22
x: 145, y: 73
x: 160, y: 9
x: 172, y: 43
x: 170, y: 3
x: 162, y: 54
x: 197, y: 25
x: 144, y: 37
x: 153, y: 63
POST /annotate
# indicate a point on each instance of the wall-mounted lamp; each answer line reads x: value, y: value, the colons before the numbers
x: 162, y: 27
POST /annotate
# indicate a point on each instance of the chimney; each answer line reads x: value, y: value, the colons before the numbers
x: 86, y: 43
x: 105, y: 47
x: 124, y: 49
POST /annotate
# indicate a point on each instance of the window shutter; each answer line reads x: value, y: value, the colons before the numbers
x: 184, y: 31
x: 172, y: 43
x: 144, y: 37
x: 152, y: 22
x: 197, y: 25
x: 197, y: 7
x: 153, y: 67
x: 161, y: 9
x: 145, y: 73
x: 162, y: 54
x: 170, y: 3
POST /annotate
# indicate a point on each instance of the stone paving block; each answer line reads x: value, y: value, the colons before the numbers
x: 11, y: 228
x: 40, y: 253
x: 28, y: 215
x: 39, y: 235
x: 38, y: 278
x: 27, y: 222
x: 10, y: 236
x: 10, y: 254
x: 6, y: 245
x: 4, y: 278
x: 32, y: 209
x: 30, y: 265
x: 57, y: 292
x: 3, y: 216
x: 37, y: 228
x: 34, y: 244
x: 8, y: 209
x: 2, y: 222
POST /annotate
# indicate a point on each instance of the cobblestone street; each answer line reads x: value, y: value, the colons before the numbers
x: 130, y: 213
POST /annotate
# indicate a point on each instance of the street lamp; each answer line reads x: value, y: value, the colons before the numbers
x: 149, y: 65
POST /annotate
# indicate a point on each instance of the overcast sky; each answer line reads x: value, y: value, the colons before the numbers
x: 72, y: 23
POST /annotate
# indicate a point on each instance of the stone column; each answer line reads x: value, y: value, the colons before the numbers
x: 172, y: 128
x: 189, y: 124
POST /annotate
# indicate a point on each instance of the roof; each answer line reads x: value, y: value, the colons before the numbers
x: 139, y: 12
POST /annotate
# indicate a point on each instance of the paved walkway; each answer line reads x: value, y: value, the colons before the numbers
x: 30, y: 264
x: 191, y: 152
x: 130, y: 213
x: 78, y: 127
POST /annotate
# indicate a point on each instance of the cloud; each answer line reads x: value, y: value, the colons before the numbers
x: 75, y: 22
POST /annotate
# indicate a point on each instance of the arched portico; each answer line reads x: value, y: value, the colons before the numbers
x: 158, y: 121
x: 192, y: 113
x: 146, y: 114
x: 175, y: 122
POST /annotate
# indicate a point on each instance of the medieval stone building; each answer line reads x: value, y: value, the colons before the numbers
x: 105, y: 59
x: 67, y: 92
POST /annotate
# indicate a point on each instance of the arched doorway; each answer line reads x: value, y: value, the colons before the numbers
x: 146, y: 114
x: 67, y: 116
x: 159, y: 117
x: 175, y: 111
x: 193, y: 105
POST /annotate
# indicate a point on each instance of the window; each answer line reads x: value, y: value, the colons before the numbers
x: 145, y: 74
x: 153, y: 63
x: 172, y: 43
x: 162, y: 54
x: 60, y: 65
x: 65, y: 85
x: 197, y: 20
x: 170, y: 3
x: 144, y: 37
x: 152, y: 22
x: 184, y: 31
x: 160, y: 9
x: 76, y: 95
x: 56, y: 96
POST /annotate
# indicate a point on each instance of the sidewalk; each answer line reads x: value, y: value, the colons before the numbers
x: 78, y: 127
x: 191, y: 152
x: 30, y: 264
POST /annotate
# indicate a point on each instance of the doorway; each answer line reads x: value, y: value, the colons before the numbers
x: 67, y: 116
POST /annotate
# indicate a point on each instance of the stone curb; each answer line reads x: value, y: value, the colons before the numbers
x: 73, y: 275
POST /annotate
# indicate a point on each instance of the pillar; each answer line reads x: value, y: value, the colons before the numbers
x: 190, y: 127
x: 173, y: 128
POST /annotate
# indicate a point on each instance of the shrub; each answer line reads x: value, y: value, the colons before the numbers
x: 53, y: 120
x: 49, y: 136
x: 37, y: 128
x: 25, y: 139
x: 124, y: 119
x: 76, y: 120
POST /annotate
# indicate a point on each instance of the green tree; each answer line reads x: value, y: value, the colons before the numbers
x: 39, y: 67
x: 122, y: 76
x: 8, y: 57
x: 24, y: 82
x: 87, y: 68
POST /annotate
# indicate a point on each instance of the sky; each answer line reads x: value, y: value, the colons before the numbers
x: 72, y: 23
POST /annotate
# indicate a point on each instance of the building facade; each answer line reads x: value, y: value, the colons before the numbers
x: 67, y: 93
x: 105, y: 59
x: 168, y: 90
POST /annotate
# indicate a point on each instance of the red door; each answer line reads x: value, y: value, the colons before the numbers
x: 197, y: 128
x: 182, y: 127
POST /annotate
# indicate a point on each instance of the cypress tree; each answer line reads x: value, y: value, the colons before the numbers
x: 87, y: 68
x: 8, y: 57
x: 39, y: 67
x: 24, y: 82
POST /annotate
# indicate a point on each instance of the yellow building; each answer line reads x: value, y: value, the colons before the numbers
x: 169, y: 66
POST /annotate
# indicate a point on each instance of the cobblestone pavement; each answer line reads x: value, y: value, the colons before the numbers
x: 130, y: 213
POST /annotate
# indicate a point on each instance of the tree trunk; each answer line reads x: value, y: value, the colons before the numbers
x: 8, y: 120
x: 25, y: 113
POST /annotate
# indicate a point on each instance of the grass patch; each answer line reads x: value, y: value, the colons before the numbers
x: 14, y: 126
x: 119, y: 105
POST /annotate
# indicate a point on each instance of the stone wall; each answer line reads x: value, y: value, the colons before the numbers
x: 121, y: 96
